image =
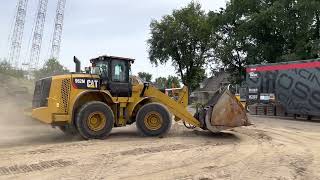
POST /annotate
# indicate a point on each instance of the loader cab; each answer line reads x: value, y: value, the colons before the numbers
x: 114, y: 73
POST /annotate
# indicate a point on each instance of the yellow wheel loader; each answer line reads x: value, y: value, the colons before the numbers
x: 91, y: 103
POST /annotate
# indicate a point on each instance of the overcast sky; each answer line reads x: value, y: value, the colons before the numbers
x: 97, y: 27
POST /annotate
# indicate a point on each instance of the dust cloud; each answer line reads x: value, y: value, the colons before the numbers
x: 16, y: 125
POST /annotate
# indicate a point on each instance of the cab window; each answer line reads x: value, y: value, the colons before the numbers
x: 119, y: 71
x: 104, y: 71
x: 101, y: 68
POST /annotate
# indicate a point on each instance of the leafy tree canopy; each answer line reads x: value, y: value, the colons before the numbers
x: 161, y: 82
x: 170, y: 82
x: 173, y: 82
x: 51, y: 68
x: 266, y: 31
x: 145, y: 76
x: 6, y: 68
x: 186, y: 38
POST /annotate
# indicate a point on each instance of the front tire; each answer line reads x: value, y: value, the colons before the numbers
x: 95, y: 120
x: 153, y: 119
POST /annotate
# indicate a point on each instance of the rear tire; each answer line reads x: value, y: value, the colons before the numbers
x: 153, y: 119
x: 95, y: 120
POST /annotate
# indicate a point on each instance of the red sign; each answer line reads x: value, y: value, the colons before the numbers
x: 306, y: 65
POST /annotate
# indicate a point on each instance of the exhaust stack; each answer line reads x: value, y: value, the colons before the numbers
x: 78, y: 64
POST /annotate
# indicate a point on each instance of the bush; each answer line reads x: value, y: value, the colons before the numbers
x: 6, y: 68
x: 51, y: 68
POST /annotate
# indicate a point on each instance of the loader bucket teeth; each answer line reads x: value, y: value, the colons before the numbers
x: 225, y: 113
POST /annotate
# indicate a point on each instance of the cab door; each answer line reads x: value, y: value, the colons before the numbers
x: 119, y: 84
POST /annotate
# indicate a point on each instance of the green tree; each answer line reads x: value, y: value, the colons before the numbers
x: 171, y: 81
x: 6, y: 68
x: 51, y: 68
x: 266, y: 31
x: 235, y: 45
x: 285, y: 29
x: 186, y: 38
x: 145, y: 76
x: 161, y: 82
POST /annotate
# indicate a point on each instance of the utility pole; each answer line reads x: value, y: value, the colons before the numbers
x: 58, y: 26
x: 17, y: 34
x: 37, y: 34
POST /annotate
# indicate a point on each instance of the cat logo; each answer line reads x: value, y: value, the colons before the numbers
x: 86, y: 83
x: 92, y: 83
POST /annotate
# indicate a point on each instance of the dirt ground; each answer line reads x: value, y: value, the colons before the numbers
x: 271, y: 149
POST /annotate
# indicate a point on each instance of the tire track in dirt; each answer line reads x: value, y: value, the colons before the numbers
x: 145, y: 152
x: 28, y: 168
x: 197, y: 165
x: 252, y: 165
x: 197, y: 160
x: 299, y: 133
x: 245, y: 153
x: 259, y: 137
x: 283, y: 154
x: 281, y: 158
x: 298, y: 162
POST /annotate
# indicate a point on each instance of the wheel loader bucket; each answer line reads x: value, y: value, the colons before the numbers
x: 225, y: 112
